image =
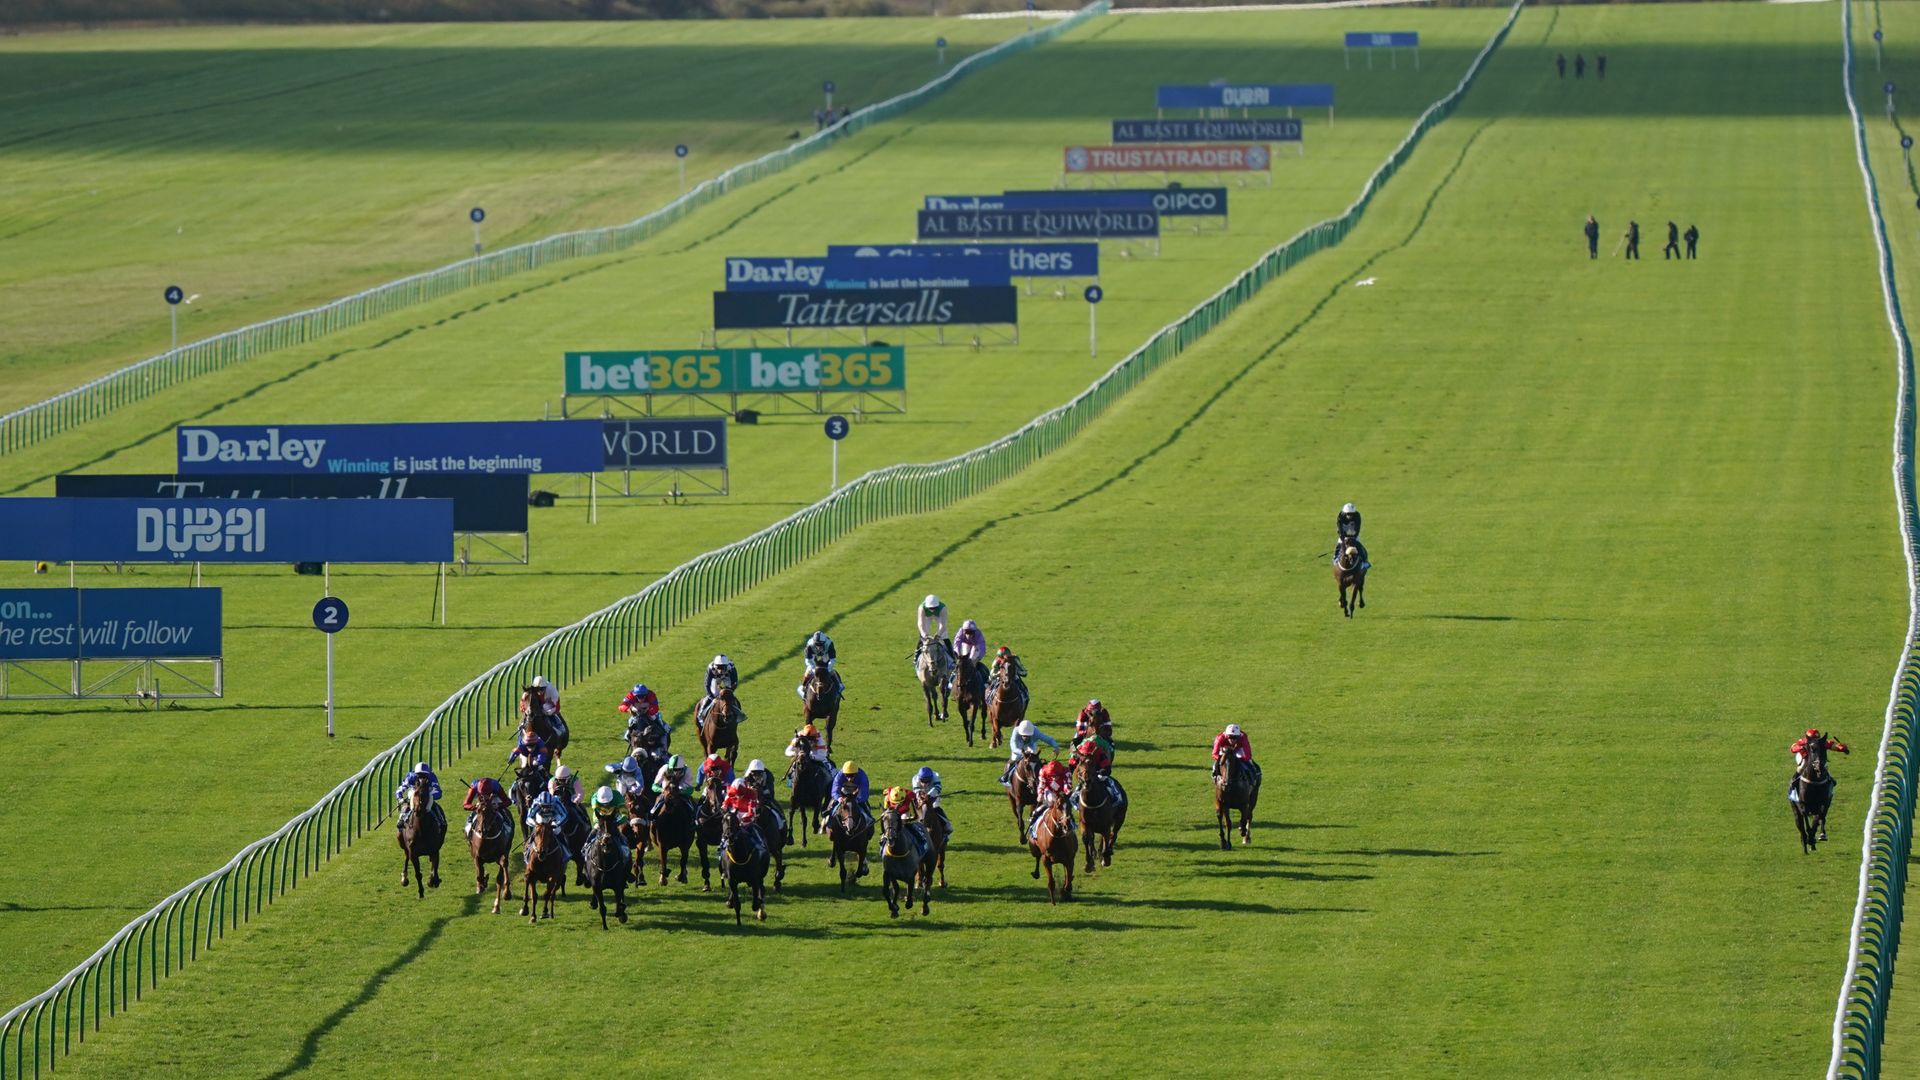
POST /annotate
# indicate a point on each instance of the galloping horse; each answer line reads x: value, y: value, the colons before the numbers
x: 821, y: 700
x: 1236, y: 786
x: 638, y: 829
x: 812, y: 781
x: 850, y: 831
x: 903, y: 859
x: 935, y: 668
x: 706, y: 824
x: 546, y: 722
x: 421, y: 836
x: 490, y: 840
x: 1350, y: 572
x: 528, y: 782
x: 1023, y: 791
x: 1054, y: 844
x: 606, y: 870
x: 1006, y: 707
x: 773, y: 830
x: 547, y: 866
x: 1103, y: 809
x: 939, y: 831
x: 1813, y: 794
x: 743, y: 859
x: 673, y: 828
x: 720, y: 727
x: 970, y: 695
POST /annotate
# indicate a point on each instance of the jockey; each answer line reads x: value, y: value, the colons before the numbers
x: 531, y: 748
x: 931, y: 621
x: 926, y: 783
x: 1093, y: 720
x: 1026, y: 740
x: 1346, y: 526
x: 901, y: 801
x: 1004, y: 664
x: 722, y: 673
x: 1235, y: 738
x: 483, y: 797
x: 641, y: 703
x: 403, y: 794
x: 550, y: 808
x: 807, y: 746
x: 818, y: 649
x: 744, y: 800
x: 652, y: 732
x: 626, y: 776
x: 1799, y: 748
x: 714, y: 765
x: 568, y: 788
x: 551, y: 696
x: 849, y: 783
x: 672, y: 777
x: 1097, y: 753
x: 607, y: 814
x: 970, y: 642
x: 761, y: 781
x: 1052, y: 788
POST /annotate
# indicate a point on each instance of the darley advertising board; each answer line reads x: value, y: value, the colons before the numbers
x: 1261, y: 129
x: 1091, y: 224
x: 908, y: 271
x: 656, y: 443
x: 1168, y: 201
x: 736, y: 371
x: 481, y: 503
x: 863, y: 308
x: 229, y: 530
x: 1140, y: 157
x: 1036, y: 259
x: 503, y: 446
x: 109, y: 624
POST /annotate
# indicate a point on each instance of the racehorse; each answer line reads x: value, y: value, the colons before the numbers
x: 935, y: 668
x: 546, y: 866
x: 743, y: 859
x: 528, y: 782
x: 939, y: 830
x: 638, y: 829
x: 1350, y: 572
x: 970, y: 695
x: 1054, y: 844
x: 606, y: 870
x: 420, y: 836
x: 490, y: 840
x: 1813, y: 794
x: 821, y: 700
x: 643, y: 735
x: 706, y: 824
x: 546, y: 722
x: 1006, y: 707
x: 773, y: 829
x: 720, y: 726
x: 673, y: 828
x: 903, y: 858
x: 1236, y: 786
x: 812, y: 781
x: 573, y: 830
x: 1103, y: 809
x: 1024, y: 791
x: 849, y: 830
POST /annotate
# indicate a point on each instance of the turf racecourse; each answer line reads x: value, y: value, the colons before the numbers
x: 219, y: 775
x: 269, y: 169
x: 1523, y: 815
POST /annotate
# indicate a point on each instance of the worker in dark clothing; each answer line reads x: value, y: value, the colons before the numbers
x: 1600, y: 66
x: 1561, y: 63
x: 1633, y: 240
x: 1672, y: 250
x: 1593, y: 238
x: 1693, y: 237
x: 1579, y: 65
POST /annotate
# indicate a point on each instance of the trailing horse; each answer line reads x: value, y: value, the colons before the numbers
x: 706, y: 825
x: 743, y: 860
x: 935, y: 669
x: 773, y: 829
x: 1350, y: 572
x: 970, y: 695
x: 720, y: 725
x: 1006, y: 707
x: 1236, y: 786
x: 849, y: 832
x: 1102, y: 803
x: 673, y: 827
x: 1812, y: 795
x: 812, y: 783
x: 1054, y: 844
x: 606, y: 870
x: 939, y: 830
x: 547, y: 723
x: 421, y: 836
x: 490, y: 842
x: 528, y: 782
x: 546, y: 865
x: 903, y: 855
x: 820, y: 699
x: 1023, y: 790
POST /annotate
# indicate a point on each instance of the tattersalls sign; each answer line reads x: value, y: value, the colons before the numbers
x: 862, y: 308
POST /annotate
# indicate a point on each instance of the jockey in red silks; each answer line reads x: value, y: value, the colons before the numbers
x: 641, y: 703
x: 1055, y: 780
x: 744, y: 800
x: 1093, y: 720
x: 1235, y: 738
x: 1813, y: 735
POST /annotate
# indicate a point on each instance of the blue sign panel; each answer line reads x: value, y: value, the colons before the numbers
x: 989, y: 305
x: 502, y: 446
x: 837, y: 428
x: 1257, y: 129
x: 775, y: 273
x: 1397, y: 39
x: 230, y: 530
x: 1010, y: 224
x: 1168, y: 202
x: 330, y: 615
x: 1245, y: 96
x: 654, y: 443
x: 915, y: 271
x: 109, y: 624
x: 1023, y: 260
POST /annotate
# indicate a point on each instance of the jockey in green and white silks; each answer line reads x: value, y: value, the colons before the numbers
x: 930, y: 620
x: 1346, y: 526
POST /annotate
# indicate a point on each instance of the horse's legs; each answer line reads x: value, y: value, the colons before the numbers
x: 434, y: 881
x: 760, y: 899
x: 504, y: 888
x: 553, y: 886
x: 1221, y: 813
x: 419, y: 879
x: 526, y: 900
x: 1246, y: 823
x: 405, y: 858
x: 1019, y: 827
x: 1053, y: 897
x: 946, y: 700
x: 1067, y: 893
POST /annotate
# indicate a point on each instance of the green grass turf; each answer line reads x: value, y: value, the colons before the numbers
x: 217, y: 776
x: 1899, y: 189
x: 269, y: 169
x: 1524, y: 814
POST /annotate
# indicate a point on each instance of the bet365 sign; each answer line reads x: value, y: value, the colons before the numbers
x: 737, y: 371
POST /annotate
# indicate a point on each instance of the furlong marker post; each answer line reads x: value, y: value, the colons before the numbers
x: 174, y: 294
x: 836, y: 428
x: 476, y: 215
x: 330, y: 617
x: 1094, y: 295
x: 680, y: 152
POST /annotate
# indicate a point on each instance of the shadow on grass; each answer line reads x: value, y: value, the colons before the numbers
x: 310, y: 1046
x: 1420, y: 853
